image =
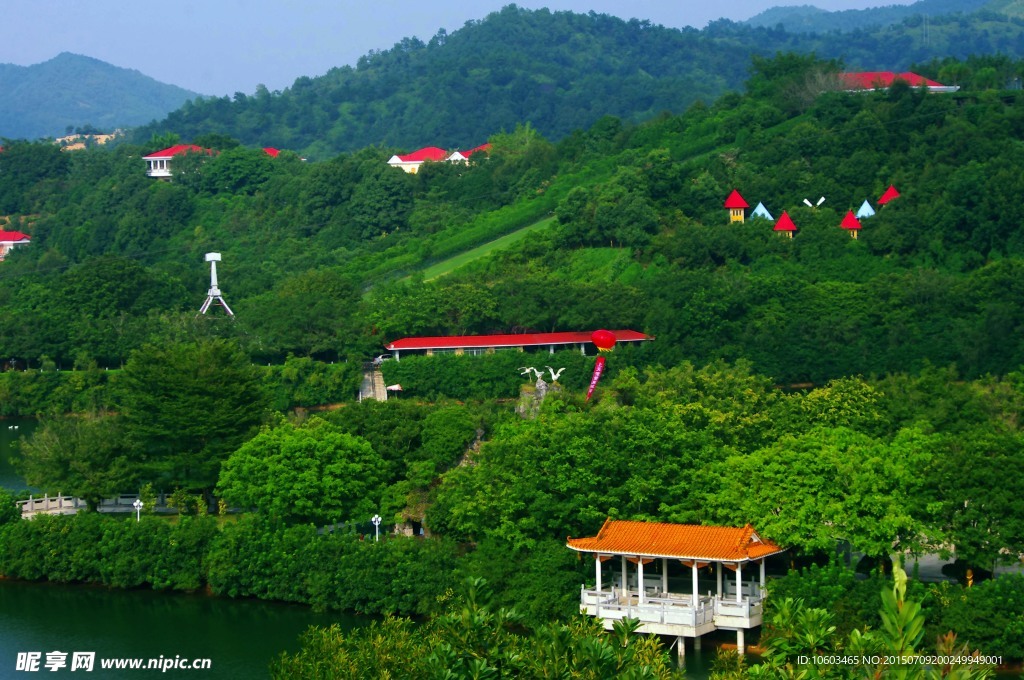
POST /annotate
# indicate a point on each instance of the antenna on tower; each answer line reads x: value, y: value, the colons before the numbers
x: 214, y: 293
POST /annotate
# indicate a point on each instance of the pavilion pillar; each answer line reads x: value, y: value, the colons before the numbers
x: 762, y: 577
x: 664, y: 575
x: 396, y: 355
x: 640, y: 578
x: 693, y: 569
x: 739, y: 582
x: 718, y: 578
x: 597, y: 569
x: 625, y: 578
x: 740, y: 642
x: 681, y: 651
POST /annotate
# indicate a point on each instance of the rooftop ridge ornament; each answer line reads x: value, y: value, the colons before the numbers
x: 214, y: 293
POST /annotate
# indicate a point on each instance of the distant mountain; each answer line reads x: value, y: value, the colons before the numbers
x: 810, y: 19
x: 71, y: 90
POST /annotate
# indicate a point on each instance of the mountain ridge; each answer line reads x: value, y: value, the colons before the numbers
x: 71, y: 90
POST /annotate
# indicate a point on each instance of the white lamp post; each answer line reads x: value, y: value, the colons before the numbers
x: 138, y: 509
x: 376, y: 519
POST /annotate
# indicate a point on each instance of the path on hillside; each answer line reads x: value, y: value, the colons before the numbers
x: 452, y: 263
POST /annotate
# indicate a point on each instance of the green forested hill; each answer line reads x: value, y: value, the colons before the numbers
x: 910, y: 334
x: 71, y: 90
x: 313, y: 250
x: 810, y: 19
x: 558, y: 71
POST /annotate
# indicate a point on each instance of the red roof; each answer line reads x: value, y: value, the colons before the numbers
x: 177, y: 150
x: 510, y: 340
x: 678, y: 541
x: 889, y: 194
x: 482, y: 147
x: 9, y: 236
x: 736, y: 201
x: 271, y: 151
x: 870, y: 80
x: 785, y: 223
x: 429, y: 153
x: 850, y: 221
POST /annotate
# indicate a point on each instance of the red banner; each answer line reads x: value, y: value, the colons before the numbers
x: 598, y: 368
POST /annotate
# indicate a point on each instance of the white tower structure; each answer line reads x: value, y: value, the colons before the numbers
x: 214, y: 293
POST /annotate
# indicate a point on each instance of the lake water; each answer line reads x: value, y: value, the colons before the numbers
x: 240, y: 637
x: 11, y: 429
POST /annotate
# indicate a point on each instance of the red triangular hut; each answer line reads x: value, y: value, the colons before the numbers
x: 736, y: 205
x: 851, y: 223
x: 785, y: 224
x: 889, y: 195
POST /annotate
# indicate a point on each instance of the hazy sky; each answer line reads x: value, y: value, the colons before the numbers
x: 218, y: 47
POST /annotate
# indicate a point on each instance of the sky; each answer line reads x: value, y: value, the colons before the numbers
x: 220, y: 47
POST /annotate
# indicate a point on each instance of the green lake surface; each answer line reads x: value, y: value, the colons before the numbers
x: 240, y: 637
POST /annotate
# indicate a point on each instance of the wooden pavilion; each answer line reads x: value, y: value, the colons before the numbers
x: 655, y: 561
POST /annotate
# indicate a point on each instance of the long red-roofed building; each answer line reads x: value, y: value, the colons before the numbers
x: 883, y: 80
x: 488, y: 344
x: 677, y: 553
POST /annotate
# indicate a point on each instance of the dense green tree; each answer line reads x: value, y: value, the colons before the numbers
x: 313, y: 473
x: 79, y: 455
x: 186, y: 406
x: 811, y: 490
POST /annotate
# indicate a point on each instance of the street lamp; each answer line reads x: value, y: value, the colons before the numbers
x: 138, y: 509
x: 376, y: 527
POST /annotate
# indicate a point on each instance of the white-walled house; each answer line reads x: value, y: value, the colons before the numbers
x: 158, y: 164
x: 9, y: 240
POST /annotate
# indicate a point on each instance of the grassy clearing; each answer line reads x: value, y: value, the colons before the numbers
x: 453, y: 263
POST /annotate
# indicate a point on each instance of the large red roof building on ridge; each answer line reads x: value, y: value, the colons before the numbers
x: 883, y: 80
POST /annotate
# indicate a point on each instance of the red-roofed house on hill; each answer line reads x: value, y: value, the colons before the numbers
x: 411, y: 162
x: 9, y: 240
x: 681, y: 553
x: 736, y: 205
x: 883, y: 80
x: 489, y: 344
x: 463, y: 156
x: 158, y: 164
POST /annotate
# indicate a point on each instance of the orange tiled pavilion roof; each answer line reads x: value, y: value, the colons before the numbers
x: 678, y: 541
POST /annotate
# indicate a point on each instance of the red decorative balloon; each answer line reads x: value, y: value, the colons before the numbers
x: 604, y: 340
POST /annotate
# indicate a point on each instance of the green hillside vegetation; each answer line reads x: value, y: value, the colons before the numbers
x: 558, y: 71
x: 830, y: 391
x: 73, y: 91
x: 810, y: 19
